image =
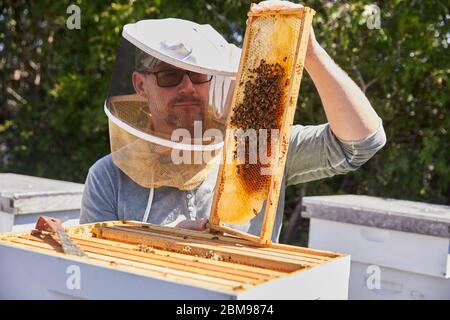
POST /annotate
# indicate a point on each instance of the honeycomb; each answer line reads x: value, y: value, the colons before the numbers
x: 267, y: 85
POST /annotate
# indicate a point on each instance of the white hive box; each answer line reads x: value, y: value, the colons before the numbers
x: 131, y: 260
x: 408, y: 241
x: 24, y: 198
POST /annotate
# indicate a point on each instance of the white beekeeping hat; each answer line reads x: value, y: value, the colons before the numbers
x: 185, y: 44
x: 170, y: 93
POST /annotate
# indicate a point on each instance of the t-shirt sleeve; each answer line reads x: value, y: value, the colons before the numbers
x: 99, y: 201
x: 316, y: 153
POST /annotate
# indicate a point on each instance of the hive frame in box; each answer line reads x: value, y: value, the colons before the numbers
x: 133, y: 260
x: 305, y: 15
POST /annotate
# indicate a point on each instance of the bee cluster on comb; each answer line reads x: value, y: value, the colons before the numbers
x: 261, y: 106
x: 261, y: 109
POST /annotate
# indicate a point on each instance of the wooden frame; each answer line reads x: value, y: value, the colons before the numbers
x: 305, y: 15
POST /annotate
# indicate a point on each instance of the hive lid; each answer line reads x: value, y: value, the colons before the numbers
x: 401, y: 215
x: 21, y: 194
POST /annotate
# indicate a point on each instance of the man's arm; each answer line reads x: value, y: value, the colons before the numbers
x: 353, y: 134
x: 349, y: 112
x: 315, y: 153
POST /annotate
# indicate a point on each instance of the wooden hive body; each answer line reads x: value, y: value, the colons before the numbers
x: 170, y: 263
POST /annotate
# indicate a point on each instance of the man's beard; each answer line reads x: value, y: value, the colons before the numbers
x: 184, y: 116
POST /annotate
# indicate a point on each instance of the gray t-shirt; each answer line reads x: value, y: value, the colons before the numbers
x: 314, y: 153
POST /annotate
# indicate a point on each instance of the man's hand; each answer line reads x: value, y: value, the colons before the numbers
x: 199, y: 225
x: 273, y: 5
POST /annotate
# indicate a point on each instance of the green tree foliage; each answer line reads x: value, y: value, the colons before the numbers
x: 54, y: 81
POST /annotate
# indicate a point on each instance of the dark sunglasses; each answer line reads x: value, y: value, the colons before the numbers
x: 172, y: 78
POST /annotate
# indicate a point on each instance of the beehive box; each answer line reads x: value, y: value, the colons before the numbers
x: 23, y: 198
x: 131, y: 260
x: 404, y: 246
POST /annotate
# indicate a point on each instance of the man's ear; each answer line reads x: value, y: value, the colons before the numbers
x: 138, y: 84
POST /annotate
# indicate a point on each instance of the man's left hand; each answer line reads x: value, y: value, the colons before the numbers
x: 199, y: 225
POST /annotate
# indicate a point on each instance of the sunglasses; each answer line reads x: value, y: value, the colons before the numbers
x: 172, y: 78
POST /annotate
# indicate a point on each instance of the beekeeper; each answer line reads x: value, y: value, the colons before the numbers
x: 170, y: 94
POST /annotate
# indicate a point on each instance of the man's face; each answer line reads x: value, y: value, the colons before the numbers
x: 172, y: 107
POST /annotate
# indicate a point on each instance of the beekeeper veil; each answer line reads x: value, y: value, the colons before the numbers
x: 168, y: 101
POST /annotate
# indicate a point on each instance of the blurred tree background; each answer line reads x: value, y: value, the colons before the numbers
x: 54, y: 81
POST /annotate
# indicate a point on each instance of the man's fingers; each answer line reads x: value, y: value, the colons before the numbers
x: 201, y: 224
x: 273, y: 5
x: 198, y: 225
